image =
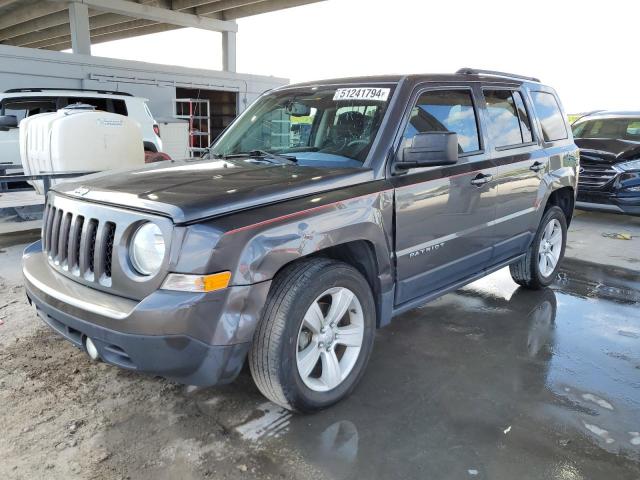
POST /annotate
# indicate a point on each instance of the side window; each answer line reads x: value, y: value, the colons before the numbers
x: 99, y: 103
x: 548, y: 111
x: 119, y: 107
x: 525, y: 123
x: 508, y: 120
x: 26, y: 107
x: 633, y: 130
x: 446, y: 111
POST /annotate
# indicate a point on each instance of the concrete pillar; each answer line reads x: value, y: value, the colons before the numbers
x: 79, y: 23
x: 229, y: 51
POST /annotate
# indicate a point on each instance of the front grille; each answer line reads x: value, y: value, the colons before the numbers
x: 594, y: 173
x: 86, y: 242
x: 108, y: 247
x: 81, y: 246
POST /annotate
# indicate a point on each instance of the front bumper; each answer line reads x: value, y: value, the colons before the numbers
x: 618, y: 195
x: 609, y: 202
x: 191, y: 338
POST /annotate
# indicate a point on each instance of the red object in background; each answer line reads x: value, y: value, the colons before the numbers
x: 151, y: 157
x: 156, y: 129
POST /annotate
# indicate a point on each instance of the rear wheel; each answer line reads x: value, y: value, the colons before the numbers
x: 315, y: 337
x: 539, y: 266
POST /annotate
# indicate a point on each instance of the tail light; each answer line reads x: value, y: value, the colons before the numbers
x: 156, y: 129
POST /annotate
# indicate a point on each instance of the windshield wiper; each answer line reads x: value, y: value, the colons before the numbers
x: 263, y: 154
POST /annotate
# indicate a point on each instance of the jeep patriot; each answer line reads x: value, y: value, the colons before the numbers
x: 323, y: 211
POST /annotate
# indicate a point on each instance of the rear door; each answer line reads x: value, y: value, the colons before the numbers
x: 521, y: 164
x: 444, y: 214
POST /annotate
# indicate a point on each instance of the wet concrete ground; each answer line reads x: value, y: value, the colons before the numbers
x: 490, y: 382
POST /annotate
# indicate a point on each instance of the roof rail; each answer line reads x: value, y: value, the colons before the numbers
x: 478, y: 71
x: 103, y: 92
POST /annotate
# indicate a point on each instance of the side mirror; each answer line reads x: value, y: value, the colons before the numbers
x: 8, y: 121
x: 429, y: 150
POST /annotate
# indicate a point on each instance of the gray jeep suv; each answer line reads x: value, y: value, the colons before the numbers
x: 326, y: 209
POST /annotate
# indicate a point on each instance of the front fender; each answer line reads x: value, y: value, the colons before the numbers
x: 268, y: 246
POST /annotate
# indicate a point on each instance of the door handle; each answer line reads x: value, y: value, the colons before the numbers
x: 537, y: 166
x: 481, y: 179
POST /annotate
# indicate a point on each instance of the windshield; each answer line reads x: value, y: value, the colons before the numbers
x: 609, y: 128
x: 315, y: 126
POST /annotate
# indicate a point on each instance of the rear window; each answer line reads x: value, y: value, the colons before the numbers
x: 551, y: 120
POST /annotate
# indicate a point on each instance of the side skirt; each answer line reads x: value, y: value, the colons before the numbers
x: 399, y: 309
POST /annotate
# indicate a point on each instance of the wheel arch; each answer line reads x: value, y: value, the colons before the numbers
x: 563, y: 197
x: 361, y: 255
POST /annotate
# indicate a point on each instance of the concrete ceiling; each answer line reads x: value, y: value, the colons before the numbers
x: 45, y: 24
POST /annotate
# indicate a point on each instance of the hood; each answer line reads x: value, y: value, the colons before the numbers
x: 190, y: 190
x: 610, y: 150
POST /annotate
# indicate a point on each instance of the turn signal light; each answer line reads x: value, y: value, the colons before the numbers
x: 197, y: 283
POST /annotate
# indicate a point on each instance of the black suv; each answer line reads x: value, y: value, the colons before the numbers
x: 610, y: 161
x: 326, y: 209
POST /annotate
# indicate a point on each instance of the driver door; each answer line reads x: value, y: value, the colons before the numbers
x: 444, y: 214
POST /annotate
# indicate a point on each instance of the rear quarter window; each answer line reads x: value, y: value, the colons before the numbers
x: 550, y: 116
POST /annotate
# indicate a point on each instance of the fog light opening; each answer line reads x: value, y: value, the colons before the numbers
x: 91, y: 349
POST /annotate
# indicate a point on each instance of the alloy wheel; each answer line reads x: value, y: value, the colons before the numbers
x: 550, y: 247
x: 330, y: 339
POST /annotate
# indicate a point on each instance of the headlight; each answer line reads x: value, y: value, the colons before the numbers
x: 147, y: 249
x: 629, y: 166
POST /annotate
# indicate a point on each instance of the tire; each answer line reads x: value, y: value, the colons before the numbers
x: 289, y: 334
x: 528, y: 271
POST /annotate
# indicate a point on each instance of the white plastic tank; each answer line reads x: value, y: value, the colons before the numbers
x: 78, y: 138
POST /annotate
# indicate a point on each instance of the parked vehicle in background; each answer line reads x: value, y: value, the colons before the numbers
x: 290, y: 245
x: 73, y: 137
x: 17, y: 104
x: 609, y: 145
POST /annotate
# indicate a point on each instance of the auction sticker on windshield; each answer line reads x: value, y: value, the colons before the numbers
x: 362, y: 93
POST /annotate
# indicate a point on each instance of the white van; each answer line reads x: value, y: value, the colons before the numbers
x: 17, y: 104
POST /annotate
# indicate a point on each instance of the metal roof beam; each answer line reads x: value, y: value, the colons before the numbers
x: 6, y: 3
x: 186, y: 4
x: 135, y: 32
x: 222, y: 5
x: 53, y: 20
x: 94, y: 33
x: 97, y: 21
x: 264, y: 7
x: 30, y: 12
x: 161, y: 15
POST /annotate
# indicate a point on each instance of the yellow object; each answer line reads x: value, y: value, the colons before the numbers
x: 197, y: 283
x: 215, y: 281
x: 618, y: 236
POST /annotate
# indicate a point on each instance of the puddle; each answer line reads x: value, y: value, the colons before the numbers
x: 492, y: 381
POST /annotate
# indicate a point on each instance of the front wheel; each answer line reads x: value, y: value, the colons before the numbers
x: 315, y: 337
x: 539, y: 266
